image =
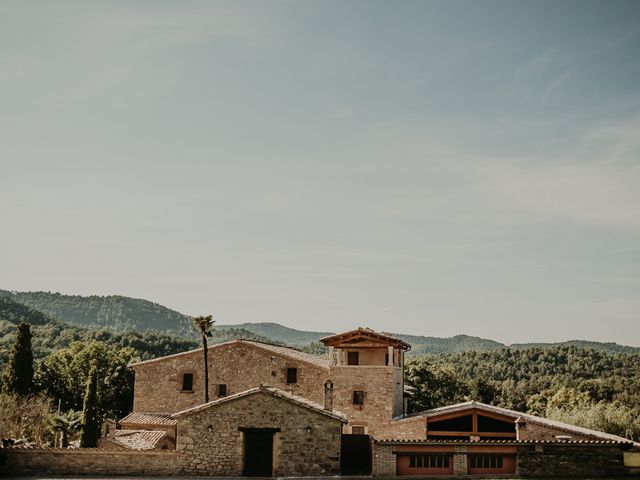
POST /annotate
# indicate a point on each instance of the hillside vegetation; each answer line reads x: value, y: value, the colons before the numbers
x: 280, y: 333
x: 123, y: 314
x: 114, y: 312
x: 50, y: 335
x: 576, y: 385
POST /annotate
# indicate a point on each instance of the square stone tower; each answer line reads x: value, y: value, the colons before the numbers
x: 366, y: 368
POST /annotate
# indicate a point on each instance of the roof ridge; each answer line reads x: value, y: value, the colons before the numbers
x: 526, y: 416
x: 367, y: 331
x: 310, y: 358
x: 276, y: 392
x: 505, y: 441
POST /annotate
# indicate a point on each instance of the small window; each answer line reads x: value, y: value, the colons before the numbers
x: 222, y: 389
x: 187, y: 382
x: 353, y: 358
x: 485, y: 461
x: 358, y: 397
x: 292, y: 375
x: 357, y: 430
x: 423, y: 460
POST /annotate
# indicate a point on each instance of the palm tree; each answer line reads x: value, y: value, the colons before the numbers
x: 64, y: 424
x: 204, y: 325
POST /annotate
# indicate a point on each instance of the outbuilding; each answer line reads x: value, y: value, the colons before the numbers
x: 264, y: 432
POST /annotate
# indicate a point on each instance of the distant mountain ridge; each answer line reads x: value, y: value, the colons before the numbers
x: 422, y: 345
x: 112, y: 311
x: 275, y: 331
x: 121, y: 314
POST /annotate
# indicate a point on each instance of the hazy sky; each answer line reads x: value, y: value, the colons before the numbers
x: 423, y: 167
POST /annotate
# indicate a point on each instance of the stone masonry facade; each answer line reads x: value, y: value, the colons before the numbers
x: 384, y: 460
x: 210, y: 441
x: 586, y: 461
x: 240, y: 365
x: 538, y: 431
x: 89, y: 461
x: 379, y: 384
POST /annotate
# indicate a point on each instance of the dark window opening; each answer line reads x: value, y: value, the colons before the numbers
x: 386, y: 359
x: 222, y: 390
x: 187, y: 382
x: 357, y: 430
x: 487, y: 424
x: 485, y: 461
x: 353, y: 358
x: 292, y: 375
x: 358, y: 397
x: 428, y: 461
x: 458, y: 424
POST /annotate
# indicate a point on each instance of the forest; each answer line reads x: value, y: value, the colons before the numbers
x: 575, y: 385
x: 122, y: 314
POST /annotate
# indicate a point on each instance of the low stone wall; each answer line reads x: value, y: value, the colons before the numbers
x: 88, y: 462
x: 585, y: 461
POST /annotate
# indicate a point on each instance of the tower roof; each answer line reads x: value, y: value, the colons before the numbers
x: 365, y: 338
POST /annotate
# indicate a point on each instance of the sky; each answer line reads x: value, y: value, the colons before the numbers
x: 431, y: 167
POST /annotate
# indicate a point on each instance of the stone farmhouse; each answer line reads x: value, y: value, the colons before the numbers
x: 276, y: 411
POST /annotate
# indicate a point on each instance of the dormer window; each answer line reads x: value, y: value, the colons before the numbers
x: 353, y: 358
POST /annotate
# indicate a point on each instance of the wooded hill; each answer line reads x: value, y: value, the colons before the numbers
x: 50, y: 335
x: 124, y: 314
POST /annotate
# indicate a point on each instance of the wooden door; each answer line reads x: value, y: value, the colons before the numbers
x: 258, y: 453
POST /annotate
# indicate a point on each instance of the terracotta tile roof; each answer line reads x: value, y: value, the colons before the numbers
x: 290, y: 352
x: 276, y: 392
x: 142, y: 418
x: 523, y: 417
x: 138, y: 439
x: 365, y: 332
x: 502, y: 442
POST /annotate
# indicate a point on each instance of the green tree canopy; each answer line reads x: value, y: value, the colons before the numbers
x: 91, y: 419
x: 434, y: 386
x: 64, y: 374
x: 64, y: 424
x: 18, y: 377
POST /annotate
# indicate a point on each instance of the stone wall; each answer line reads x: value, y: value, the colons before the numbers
x: 219, y: 450
x: 379, y: 384
x: 566, y: 460
x: 410, y: 428
x: 384, y: 460
x: 239, y: 365
x: 538, y: 431
x: 88, y: 462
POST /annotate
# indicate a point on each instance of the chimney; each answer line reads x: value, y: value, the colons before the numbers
x: 328, y: 395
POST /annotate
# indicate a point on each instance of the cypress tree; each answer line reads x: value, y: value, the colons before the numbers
x: 18, y: 376
x: 90, y: 414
